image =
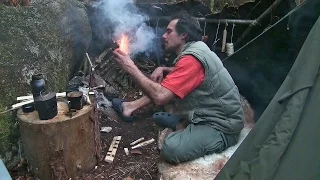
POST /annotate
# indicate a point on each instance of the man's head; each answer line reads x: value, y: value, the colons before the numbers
x: 182, y: 29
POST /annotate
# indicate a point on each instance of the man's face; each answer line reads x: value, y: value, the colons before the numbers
x: 171, y: 39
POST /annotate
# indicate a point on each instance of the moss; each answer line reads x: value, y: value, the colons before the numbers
x: 6, y: 130
x: 44, y: 53
x: 36, y: 39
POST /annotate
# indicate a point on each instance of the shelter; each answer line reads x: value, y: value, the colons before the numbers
x: 285, y: 141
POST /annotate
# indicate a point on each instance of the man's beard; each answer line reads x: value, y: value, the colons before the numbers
x: 167, y: 50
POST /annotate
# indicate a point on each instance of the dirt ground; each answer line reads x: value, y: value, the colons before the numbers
x: 132, y: 166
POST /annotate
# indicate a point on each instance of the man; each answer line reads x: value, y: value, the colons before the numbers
x: 210, y: 115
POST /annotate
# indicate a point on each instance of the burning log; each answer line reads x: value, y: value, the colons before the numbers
x: 109, y: 70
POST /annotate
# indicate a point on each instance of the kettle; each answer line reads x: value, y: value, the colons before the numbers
x: 38, y: 85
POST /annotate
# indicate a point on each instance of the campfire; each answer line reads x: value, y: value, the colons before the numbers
x: 124, y: 43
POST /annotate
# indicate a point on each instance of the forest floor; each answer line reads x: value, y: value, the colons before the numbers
x: 135, y: 166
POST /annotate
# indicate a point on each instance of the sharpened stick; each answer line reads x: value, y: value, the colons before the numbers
x: 89, y: 61
x: 137, y: 141
x: 19, y: 105
x: 143, y: 144
x: 63, y: 94
x: 22, y: 98
x: 113, y: 149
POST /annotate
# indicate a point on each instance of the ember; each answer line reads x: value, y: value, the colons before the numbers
x: 124, y: 44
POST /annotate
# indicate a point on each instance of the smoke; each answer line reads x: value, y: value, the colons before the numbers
x: 125, y: 18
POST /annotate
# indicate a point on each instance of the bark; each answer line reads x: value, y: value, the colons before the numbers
x: 60, y: 148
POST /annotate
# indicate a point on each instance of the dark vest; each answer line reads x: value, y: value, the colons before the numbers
x: 216, y: 102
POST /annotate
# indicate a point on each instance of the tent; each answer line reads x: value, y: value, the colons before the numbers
x: 284, y: 144
x: 260, y: 67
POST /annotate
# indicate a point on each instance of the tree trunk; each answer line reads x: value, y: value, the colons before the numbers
x: 62, y: 147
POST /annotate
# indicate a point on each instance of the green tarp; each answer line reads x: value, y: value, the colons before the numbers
x: 284, y: 145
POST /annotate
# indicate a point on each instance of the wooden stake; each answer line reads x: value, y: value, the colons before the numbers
x: 113, y: 149
x: 143, y: 144
x: 137, y: 141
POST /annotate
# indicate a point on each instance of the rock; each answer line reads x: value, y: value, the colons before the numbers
x: 106, y: 129
x: 49, y: 37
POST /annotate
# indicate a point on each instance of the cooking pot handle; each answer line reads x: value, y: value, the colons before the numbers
x: 68, y: 103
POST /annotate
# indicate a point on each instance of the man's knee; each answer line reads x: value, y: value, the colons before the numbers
x: 169, y: 152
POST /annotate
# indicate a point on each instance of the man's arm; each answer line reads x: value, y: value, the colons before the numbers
x: 158, y: 74
x: 157, y: 93
x: 167, y: 69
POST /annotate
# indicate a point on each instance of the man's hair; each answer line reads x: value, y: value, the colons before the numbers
x: 188, y: 24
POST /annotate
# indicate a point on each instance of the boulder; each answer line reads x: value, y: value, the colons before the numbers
x: 49, y: 37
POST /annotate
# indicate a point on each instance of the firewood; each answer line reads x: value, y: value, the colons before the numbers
x: 103, y: 54
x: 113, y: 149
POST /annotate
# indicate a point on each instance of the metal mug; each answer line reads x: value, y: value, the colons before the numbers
x: 76, y: 99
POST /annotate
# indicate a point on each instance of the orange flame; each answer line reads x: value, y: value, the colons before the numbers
x: 124, y: 44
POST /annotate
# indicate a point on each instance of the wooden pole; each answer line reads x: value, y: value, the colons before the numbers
x: 201, y: 19
x: 257, y: 21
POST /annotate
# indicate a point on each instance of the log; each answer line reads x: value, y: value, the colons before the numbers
x: 62, y: 147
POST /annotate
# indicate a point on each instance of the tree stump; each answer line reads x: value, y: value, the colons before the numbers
x: 60, y: 148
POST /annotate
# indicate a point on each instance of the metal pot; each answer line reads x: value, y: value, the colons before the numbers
x: 46, y: 105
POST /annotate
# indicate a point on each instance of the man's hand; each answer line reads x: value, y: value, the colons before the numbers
x: 123, y: 60
x: 157, y: 75
x: 157, y: 93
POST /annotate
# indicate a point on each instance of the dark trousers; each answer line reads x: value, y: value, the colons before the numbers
x: 195, y: 141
